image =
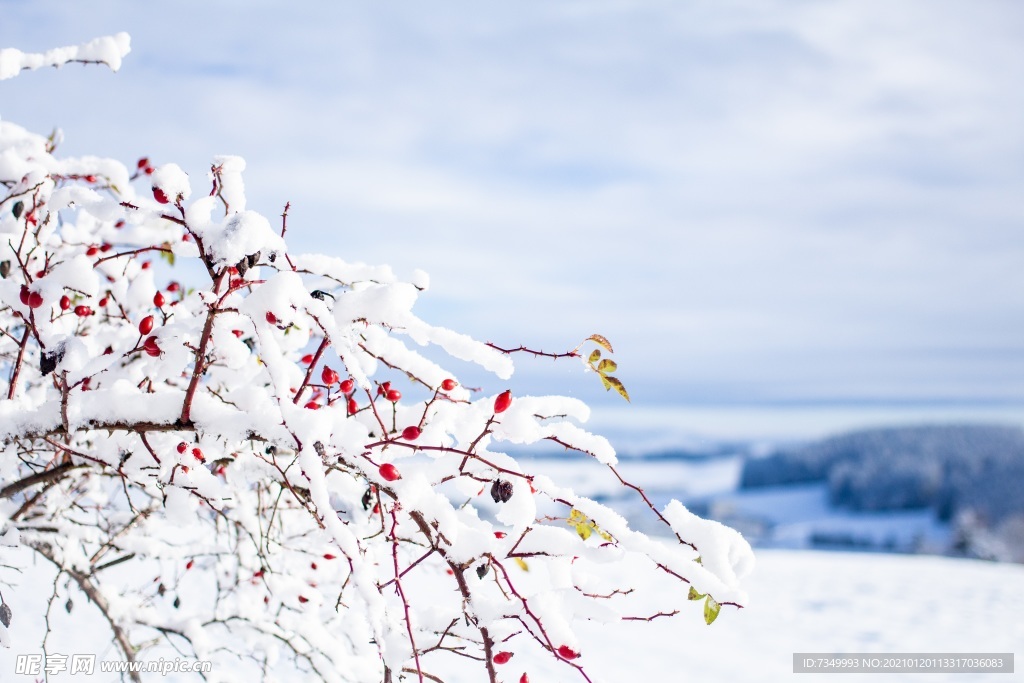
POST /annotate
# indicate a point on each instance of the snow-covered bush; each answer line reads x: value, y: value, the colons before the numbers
x: 230, y: 465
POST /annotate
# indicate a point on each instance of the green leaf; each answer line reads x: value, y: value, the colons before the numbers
x: 694, y: 595
x: 711, y: 610
x: 600, y: 340
x: 595, y: 356
x: 167, y: 255
x: 607, y: 366
x: 605, y: 382
x: 618, y: 386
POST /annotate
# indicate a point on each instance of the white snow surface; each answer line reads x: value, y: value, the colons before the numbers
x: 800, y: 602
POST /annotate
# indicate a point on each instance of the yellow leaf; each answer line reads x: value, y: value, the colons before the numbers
x: 694, y: 595
x: 583, y: 530
x: 595, y: 356
x: 606, y: 366
x: 522, y: 564
x: 711, y: 610
x: 618, y: 386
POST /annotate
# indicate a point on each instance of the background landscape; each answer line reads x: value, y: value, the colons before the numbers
x: 799, y: 223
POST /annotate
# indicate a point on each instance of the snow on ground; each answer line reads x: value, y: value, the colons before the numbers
x: 800, y: 602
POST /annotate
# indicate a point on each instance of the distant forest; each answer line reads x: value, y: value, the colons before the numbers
x: 970, y: 475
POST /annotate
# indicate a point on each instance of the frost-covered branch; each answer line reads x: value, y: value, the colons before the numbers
x: 271, y: 444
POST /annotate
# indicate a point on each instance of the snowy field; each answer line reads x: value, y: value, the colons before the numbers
x: 800, y: 602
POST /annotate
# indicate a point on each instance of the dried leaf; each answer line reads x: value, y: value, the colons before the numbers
x: 618, y: 386
x: 598, y: 339
x: 5, y: 615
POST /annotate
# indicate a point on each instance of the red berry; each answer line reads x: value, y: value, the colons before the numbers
x: 198, y: 455
x: 376, y: 508
x: 92, y: 251
x: 502, y: 657
x: 160, y: 195
x: 104, y: 301
x: 65, y: 303
x: 393, y: 395
x: 35, y: 300
x: 303, y: 599
x: 146, y: 265
x: 173, y: 287
x: 503, y: 401
x: 143, y: 162
x: 449, y: 384
x: 105, y: 247
x: 149, y: 170
x: 81, y: 310
x: 383, y: 388
x: 353, y: 407
x: 411, y: 433
x: 184, y: 468
x: 328, y: 376
x: 237, y: 333
x: 389, y: 472
x: 182, y: 446
x: 328, y: 556
x: 146, y: 326
x: 307, y: 359
x: 107, y: 351
x: 158, y: 299
x: 151, y: 347
x: 524, y: 679
x: 312, y: 565
x: 119, y: 224
x: 500, y: 534
x: 313, y: 405
x: 23, y: 295
x: 348, y: 386
x: 271, y: 318
x: 189, y: 564
x: 566, y: 652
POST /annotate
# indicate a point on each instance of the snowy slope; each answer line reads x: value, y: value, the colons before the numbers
x: 800, y: 602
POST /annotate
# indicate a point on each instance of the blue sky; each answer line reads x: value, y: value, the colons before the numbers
x: 781, y: 202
